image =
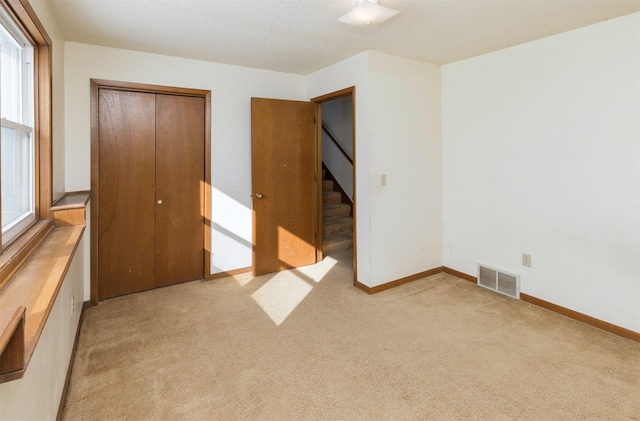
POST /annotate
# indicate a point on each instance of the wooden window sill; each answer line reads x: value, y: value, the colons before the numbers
x: 12, y: 340
x: 70, y: 209
x: 18, y: 252
x: 28, y: 298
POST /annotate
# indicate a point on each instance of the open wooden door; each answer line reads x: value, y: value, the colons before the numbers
x: 283, y: 164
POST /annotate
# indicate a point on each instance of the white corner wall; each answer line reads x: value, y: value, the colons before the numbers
x: 397, y: 119
x: 37, y: 395
x: 231, y: 90
x: 337, y: 116
x: 339, y: 166
x: 405, y: 145
x: 541, y: 156
x: 353, y: 71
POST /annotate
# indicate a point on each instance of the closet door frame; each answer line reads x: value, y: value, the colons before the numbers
x: 95, y: 85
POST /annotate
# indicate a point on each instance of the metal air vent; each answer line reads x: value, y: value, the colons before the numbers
x: 498, y: 280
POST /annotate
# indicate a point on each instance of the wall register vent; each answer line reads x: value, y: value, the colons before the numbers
x: 498, y: 280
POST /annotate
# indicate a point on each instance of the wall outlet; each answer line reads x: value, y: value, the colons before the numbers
x: 73, y: 304
x: 526, y: 260
x: 383, y: 179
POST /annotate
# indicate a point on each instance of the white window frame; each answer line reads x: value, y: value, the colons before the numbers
x: 11, y: 231
x: 25, y: 124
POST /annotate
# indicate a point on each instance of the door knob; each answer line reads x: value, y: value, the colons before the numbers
x: 159, y: 201
x: 259, y: 196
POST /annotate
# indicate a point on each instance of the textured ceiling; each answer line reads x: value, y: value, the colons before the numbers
x: 301, y: 36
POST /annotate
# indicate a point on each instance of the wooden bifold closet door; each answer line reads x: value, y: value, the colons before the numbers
x: 151, y: 179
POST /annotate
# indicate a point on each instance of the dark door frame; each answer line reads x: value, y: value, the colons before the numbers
x: 205, y: 189
x: 318, y: 101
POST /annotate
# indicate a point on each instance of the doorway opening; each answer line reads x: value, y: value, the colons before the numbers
x: 335, y: 138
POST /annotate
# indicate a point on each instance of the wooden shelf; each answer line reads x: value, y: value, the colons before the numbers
x: 28, y: 298
x: 70, y: 209
x: 35, y: 288
x: 12, y: 358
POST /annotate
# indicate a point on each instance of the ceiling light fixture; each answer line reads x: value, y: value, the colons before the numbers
x: 368, y: 12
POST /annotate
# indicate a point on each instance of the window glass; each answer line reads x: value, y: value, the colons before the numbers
x: 17, y: 181
x: 11, y: 76
x: 17, y: 170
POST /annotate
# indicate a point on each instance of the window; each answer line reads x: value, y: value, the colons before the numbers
x: 25, y: 135
x: 17, y: 150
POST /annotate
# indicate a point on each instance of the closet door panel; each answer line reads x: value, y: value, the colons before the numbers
x: 180, y: 125
x: 126, y: 207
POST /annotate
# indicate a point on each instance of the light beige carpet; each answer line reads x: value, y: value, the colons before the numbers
x: 306, y: 344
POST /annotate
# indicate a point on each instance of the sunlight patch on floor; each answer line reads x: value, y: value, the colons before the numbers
x: 318, y: 271
x: 280, y: 296
x: 243, y: 278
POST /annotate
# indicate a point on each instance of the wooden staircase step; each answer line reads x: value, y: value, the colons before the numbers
x: 337, y: 242
x: 335, y: 210
x: 327, y: 185
x: 331, y: 197
x: 337, y: 225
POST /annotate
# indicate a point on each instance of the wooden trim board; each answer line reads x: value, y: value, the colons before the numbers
x: 12, y: 340
x: 14, y: 257
x: 65, y: 389
x: 206, y: 186
x: 212, y: 276
x: 572, y: 314
x: 70, y: 209
x: 460, y: 275
x: 319, y: 189
x: 335, y: 95
x: 591, y: 321
x: 398, y: 282
x: 363, y: 287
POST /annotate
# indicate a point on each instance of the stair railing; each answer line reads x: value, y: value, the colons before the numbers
x: 333, y: 139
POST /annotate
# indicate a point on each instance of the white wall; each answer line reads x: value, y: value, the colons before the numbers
x: 337, y: 164
x: 353, y: 71
x: 541, y: 155
x: 337, y: 116
x: 41, y: 8
x: 37, y: 395
x: 231, y: 90
x: 405, y: 145
x: 397, y: 118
